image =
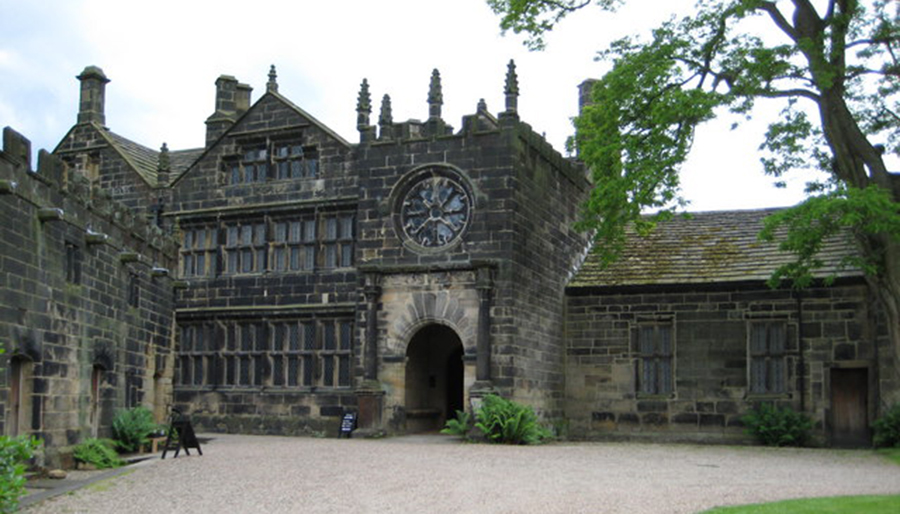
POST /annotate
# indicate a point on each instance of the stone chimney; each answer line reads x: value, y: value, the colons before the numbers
x: 585, y: 90
x: 232, y: 100
x: 93, y: 95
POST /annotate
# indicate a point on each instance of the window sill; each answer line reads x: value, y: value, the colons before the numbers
x: 646, y: 396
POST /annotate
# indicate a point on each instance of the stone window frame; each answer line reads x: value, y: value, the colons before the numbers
x: 193, y: 253
x: 134, y: 290
x: 292, y: 160
x: 260, y: 353
x: 337, y: 239
x: 259, y: 160
x: 654, y: 362
x: 768, y: 366
x: 293, y: 244
x: 245, y: 247
x: 74, y: 262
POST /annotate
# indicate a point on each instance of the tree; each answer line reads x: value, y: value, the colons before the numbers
x: 835, y: 65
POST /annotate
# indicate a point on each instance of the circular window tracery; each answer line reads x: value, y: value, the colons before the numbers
x: 435, y: 210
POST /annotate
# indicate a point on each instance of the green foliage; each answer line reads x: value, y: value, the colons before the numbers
x: 99, y: 452
x: 459, y: 426
x: 14, y: 453
x: 508, y: 422
x: 804, y: 229
x: 887, y: 429
x: 132, y: 428
x: 835, y: 68
x: 535, y: 17
x: 773, y: 426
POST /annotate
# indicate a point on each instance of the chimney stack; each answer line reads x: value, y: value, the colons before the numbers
x: 232, y: 100
x: 585, y: 94
x: 93, y: 94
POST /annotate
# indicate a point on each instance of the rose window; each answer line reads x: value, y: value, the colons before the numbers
x: 435, y: 211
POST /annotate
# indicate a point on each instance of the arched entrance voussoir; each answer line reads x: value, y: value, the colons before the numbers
x: 429, y: 308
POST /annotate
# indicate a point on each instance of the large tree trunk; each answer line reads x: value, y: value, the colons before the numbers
x: 859, y: 164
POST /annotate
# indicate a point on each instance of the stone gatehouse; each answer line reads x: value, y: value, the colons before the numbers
x: 408, y: 273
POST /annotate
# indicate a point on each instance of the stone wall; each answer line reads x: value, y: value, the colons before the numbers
x: 85, y: 296
x: 547, y: 252
x: 826, y: 329
x: 266, y: 391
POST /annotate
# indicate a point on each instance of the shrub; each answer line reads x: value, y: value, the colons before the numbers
x: 505, y: 421
x: 98, y: 452
x: 132, y: 428
x: 887, y: 428
x: 459, y: 426
x: 773, y: 426
x: 14, y: 452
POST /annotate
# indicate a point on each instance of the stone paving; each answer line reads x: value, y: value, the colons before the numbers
x: 435, y: 474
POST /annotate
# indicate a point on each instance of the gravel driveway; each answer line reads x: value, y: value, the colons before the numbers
x: 432, y: 474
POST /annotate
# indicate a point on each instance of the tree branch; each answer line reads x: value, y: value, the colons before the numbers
x: 788, y: 93
x: 779, y: 19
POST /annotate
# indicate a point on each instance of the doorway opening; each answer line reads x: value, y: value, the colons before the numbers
x: 849, y: 407
x: 96, y: 406
x: 434, y: 378
x: 20, y: 374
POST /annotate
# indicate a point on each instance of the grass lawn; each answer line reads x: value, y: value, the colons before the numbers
x: 891, y: 453
x: 840, y: 504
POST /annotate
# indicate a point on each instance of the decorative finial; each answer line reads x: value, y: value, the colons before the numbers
x: 163, y: 164
x: 435, y: 96
x: 272, y: 85
x: 386, y: 118
x: 482, y: 106
x: 363, y: 109
x: 364, y: 102
x: 512, y: 88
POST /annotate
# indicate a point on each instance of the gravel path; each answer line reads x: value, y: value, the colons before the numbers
x: 432, y: 474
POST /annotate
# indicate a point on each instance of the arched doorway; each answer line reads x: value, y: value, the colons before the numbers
x: 434, y: 378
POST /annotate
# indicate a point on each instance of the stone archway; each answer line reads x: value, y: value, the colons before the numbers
x: 434, y: 378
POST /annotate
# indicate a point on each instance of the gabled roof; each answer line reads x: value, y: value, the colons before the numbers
x: 191, y: 156
x: 708, y: 247
x: 144, y: 161
x: 308, y: 116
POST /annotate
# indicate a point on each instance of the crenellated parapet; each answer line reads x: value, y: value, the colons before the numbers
x: 54, y: 187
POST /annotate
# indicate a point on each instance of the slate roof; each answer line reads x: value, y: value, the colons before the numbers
x: 709, y: 247
x: 141, y: 158
x: 145, y: 161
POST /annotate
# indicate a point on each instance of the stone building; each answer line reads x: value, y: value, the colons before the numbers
x: 407, y: 274
x: 86, y: 304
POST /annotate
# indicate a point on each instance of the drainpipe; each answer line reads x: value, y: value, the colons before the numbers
x: 802, y: 359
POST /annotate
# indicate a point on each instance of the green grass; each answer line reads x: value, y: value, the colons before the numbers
x: 835, y: 505
x: 892, y: 454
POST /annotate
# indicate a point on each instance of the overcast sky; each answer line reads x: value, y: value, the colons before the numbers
x: 163, y: 58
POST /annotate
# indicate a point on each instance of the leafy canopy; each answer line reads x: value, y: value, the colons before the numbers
x: 833, y: 63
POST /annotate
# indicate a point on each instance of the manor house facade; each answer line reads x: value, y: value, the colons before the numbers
x: 282, y: 275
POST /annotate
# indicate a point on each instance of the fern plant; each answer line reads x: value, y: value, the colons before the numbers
x: 458, y: 426
x: 98, y: 452
x: 508, y: 422
x: 132, y: 428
